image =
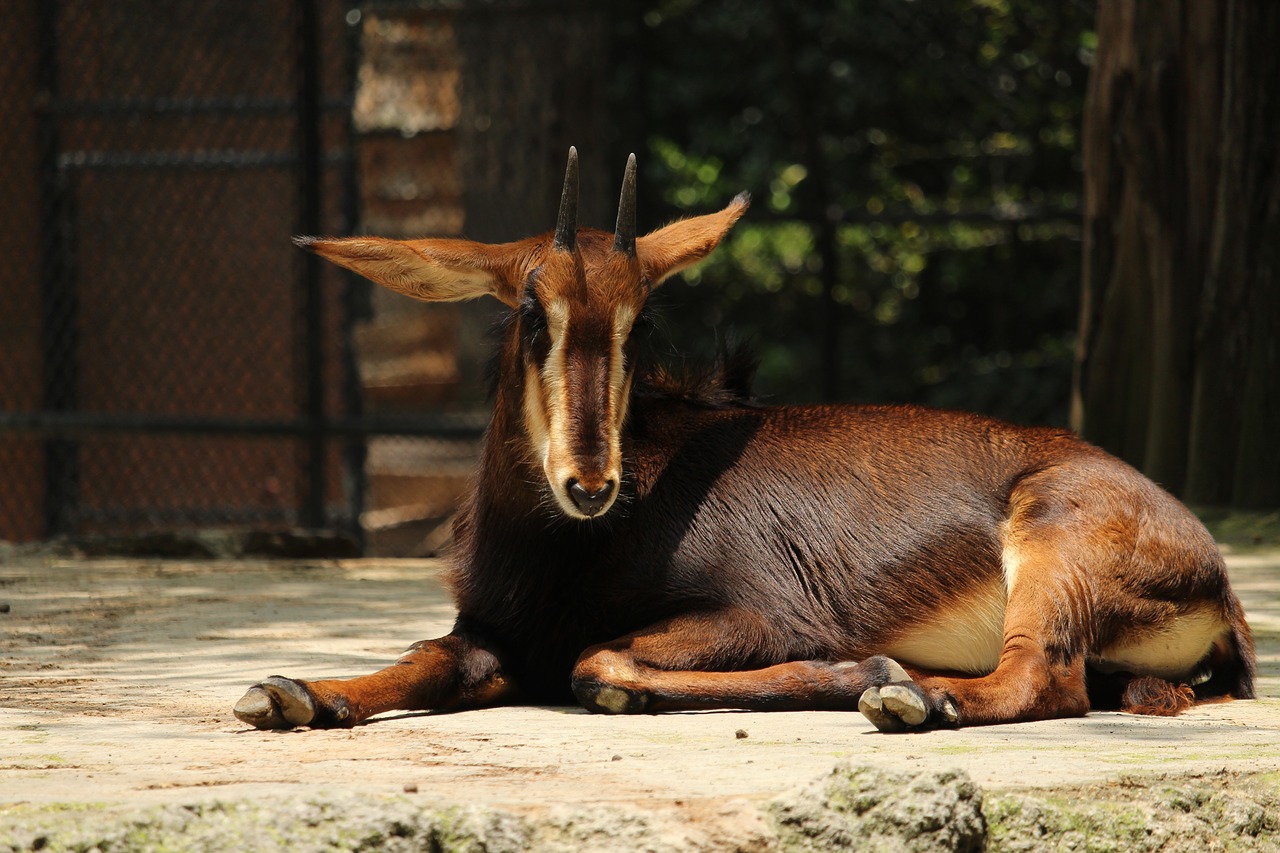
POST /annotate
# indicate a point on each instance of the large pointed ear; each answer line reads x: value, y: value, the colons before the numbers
x: 439, y: 270
x: 681, y: 244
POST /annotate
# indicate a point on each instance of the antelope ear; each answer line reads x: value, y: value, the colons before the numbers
x: 441, y: 270
x: 665, y: 252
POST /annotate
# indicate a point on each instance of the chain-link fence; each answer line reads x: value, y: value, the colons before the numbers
x: 167, y: 359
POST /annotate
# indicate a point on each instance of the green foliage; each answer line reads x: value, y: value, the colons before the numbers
x: 915, y: 171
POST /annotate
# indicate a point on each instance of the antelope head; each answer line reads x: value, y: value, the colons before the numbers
x: 575, y: 294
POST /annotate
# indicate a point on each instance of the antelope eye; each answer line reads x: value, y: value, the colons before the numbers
x: 643, y: 325
x: 532, y: 318
x: 533, y: 324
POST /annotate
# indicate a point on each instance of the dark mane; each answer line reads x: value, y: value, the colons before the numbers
x: 724, y: 383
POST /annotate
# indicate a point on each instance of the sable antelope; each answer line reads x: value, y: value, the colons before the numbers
x: 645, y: 543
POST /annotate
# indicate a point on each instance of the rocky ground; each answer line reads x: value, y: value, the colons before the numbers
x: 117, y: 679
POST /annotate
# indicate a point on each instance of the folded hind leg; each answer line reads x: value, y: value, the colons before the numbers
x: 1027, y: 685
x: 1041, y: 669
x: 1097, y: 561
x: 702, y: 661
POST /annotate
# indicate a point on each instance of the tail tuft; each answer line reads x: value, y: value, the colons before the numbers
x: 1156, y: 697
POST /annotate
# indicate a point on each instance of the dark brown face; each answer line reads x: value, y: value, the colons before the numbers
x: 575, y: 325
x: 577, y: 294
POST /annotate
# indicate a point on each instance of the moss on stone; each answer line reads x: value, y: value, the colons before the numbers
x: 1210, y: 813
x: 850, y: 807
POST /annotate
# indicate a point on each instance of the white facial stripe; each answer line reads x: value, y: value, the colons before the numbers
x: 536, y: 410
x: 535, y: 415
x: 557, y: 319
x: 619, y: 383
x: 556, y: 401
x: 625, y: 402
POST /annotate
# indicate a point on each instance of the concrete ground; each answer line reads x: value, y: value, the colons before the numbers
x: 117, y: 679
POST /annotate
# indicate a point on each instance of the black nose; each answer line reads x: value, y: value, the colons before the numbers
x: 590, y: 502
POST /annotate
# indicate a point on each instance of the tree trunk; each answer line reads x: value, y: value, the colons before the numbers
x: 1178, y: 350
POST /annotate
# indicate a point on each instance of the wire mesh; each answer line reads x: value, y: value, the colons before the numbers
x: 167, y: 358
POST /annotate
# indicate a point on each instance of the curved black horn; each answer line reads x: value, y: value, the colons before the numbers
x: 624, y: 235
x: 567, y: 220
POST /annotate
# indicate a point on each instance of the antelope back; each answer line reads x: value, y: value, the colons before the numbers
x: 575, y: 294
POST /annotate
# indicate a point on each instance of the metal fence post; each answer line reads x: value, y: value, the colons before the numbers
x: 310, y: 162
x: 59, y: 333
x: 355, y: 295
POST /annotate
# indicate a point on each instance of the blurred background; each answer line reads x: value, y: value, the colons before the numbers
x: 171, y: 365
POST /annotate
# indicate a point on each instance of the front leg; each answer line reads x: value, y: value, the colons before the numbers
x: 450, y: 673
x: 723, y: 659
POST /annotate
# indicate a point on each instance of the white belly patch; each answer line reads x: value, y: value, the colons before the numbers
x: 1170, y: 652
x: 966, y: 637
